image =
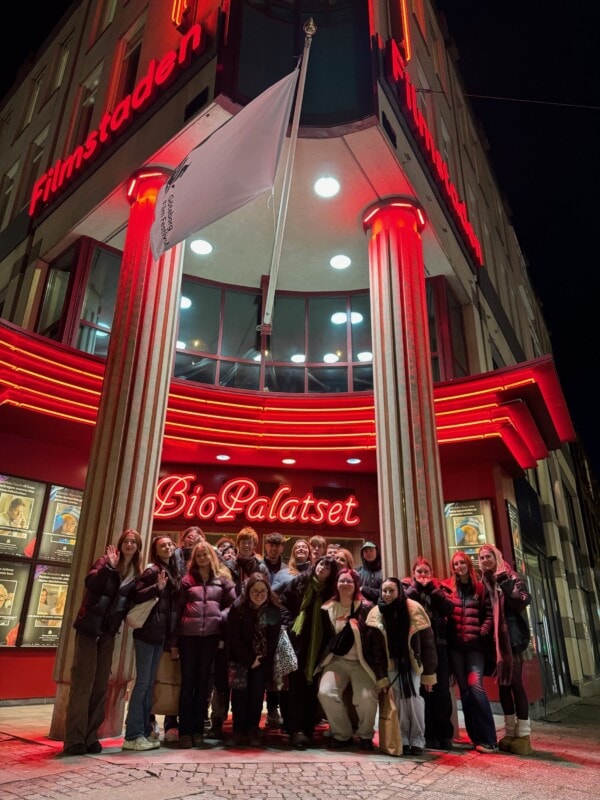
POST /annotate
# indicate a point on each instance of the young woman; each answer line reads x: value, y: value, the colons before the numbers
x: 204, y: 597
x: 509, y: 595
x: 301, y: 606
x: 363, y: 665
x: 160, y: 580
x: 410, y: 647
x: 344, y: 558
x: 108, y: 586
x: 300, y: 558
x: 434, y: 596
x: 253, y: 626
x: 470, y: 630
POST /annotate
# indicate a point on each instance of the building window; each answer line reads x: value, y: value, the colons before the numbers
x: 34, y: 93
x: 52, y: 317
x: 128, y: 59
x: 60, y: 65
x: 87, y: 104
x: 106, y: 14
x: 32, y: 168
x: 95, y: 320
x: 7, y: 186
x: 446, y: 331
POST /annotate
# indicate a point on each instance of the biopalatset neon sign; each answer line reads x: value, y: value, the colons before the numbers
x: 113, y: 122
x: 178, y: 496
x: 396, y: 69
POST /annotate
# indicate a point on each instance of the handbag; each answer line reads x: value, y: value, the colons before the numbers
x: 342, y: 642
x: 285, y: 660
x: 390, y: 738
x: 237, y: 675
x: 165, y: 694
x: 139, y: 613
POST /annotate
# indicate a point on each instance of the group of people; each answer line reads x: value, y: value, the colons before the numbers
x: 231, y: 618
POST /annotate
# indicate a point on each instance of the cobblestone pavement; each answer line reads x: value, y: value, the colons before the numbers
x: 565, y: 766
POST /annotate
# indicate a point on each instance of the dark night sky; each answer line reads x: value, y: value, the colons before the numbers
x: 544, y: 153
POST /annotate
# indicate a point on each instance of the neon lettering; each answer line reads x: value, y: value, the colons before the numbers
x: 113, y: 122
x: 407, y: 95
x: 176, y: 496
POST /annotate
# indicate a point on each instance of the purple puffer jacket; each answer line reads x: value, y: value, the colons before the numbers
x: 202, y: 606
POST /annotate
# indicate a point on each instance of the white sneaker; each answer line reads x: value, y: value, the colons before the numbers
x: 172, y: 735
x: 141, y: 743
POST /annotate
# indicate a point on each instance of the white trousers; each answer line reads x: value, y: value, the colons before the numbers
x: 411, y: 711
x: 335, y: 678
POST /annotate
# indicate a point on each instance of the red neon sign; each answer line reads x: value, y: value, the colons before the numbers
x: 112, y: 123
x: 396, y: 71
x: 177, y: 496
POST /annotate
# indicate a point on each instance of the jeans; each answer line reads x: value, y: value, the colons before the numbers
x: 246, y: 704
x: 197, y: 655
x: 147, y: 658
x: 467, y: 666
x: 438, y: 702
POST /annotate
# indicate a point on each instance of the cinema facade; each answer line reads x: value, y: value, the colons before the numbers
x: 401, y: 388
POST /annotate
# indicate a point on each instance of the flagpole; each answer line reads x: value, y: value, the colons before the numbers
x: 309, y: 29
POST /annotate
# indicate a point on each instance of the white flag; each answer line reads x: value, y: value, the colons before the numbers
x: 233, y: 166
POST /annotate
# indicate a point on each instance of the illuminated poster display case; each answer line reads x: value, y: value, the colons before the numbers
x: 38, y: 529
x: 469, y: 524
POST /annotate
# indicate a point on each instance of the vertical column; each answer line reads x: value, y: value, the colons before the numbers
x: 125, y: 459
x: 408, y: 469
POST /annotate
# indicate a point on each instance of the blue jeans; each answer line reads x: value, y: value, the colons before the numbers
x: 467, y: 666
x: 147, y: 658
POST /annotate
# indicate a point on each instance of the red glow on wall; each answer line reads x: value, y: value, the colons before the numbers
x: 407, y: 94
x: 176, y: 496
x: 159, y: 74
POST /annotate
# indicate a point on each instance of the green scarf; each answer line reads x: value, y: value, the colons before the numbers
x: 314, y: 591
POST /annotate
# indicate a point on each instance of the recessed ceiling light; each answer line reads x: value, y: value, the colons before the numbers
x: 353, y: 460
x: 365, y: 356
x: 288, y: 460
x: 339, y: 317
x: 185, y: 302
x: 340, y: 261
x: 180, y: 345
x: 330, y: 358
x: 201, y: 247
x: 298, y: 358
x: 327, y: 187
x: 356, y: 317
x: 223, y: 457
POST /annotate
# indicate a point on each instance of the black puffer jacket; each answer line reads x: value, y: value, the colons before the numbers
x: 516, y: 599
x: 471, y: 625
x: 106, y: 601
x: 160, y: 625
x: 241, y: 622
x: 435, y: 597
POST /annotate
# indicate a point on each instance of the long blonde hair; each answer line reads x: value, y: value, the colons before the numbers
x: 217, y: 569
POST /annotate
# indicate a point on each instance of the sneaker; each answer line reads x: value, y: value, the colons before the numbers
x: 75, y: 750
x: 341, y: 744
x: 141, y: 743
x: 486, y: 748
x: 367, y: 744
x: 415, y: 750
x: 172, y: 735
x: 274, y: 719
x: 94, y: 748
x: 299, y: 741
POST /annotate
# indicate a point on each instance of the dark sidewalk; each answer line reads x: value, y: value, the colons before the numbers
x: 565, y: 766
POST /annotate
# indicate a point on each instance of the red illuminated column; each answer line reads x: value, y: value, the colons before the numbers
x: 408, y: 470
x: 125, y: 459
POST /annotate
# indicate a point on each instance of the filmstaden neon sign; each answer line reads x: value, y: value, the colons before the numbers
x: 113, y: 122
x: 396, y: 71
x: 178, y: 496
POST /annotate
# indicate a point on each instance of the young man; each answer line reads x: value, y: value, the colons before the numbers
x: 279, y: 574
x: 318, y: 547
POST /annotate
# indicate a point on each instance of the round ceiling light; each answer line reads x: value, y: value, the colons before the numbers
x: 340, y: 261
x: 327, y: 187
x: 201, y: 247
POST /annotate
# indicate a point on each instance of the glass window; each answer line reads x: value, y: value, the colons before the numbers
x: 194, y: 368
x: 362, y: 378
x: 32, y: 168
x: 99, y: 302
x: 360, y: 327
x: 53, y: 306
x: 7, y: 186
x: 236, y: 375
x: 88, y: 93
x: 199, y: 316
x: 284, y: 379
x: 288, y: 338
x: 327, y: 329
x: 34, y: 93
x: 60, y: 66
x: 328, y: 379
x: 241, y: 317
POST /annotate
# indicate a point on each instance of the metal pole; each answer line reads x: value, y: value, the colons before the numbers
x: 309, y: 29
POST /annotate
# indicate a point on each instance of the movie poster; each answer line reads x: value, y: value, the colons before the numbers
x: 517, y: 543
x: 20, y: 510
x: 46, y: 606
x: 468, y: 526
x: 13, y: 583
x: 61, y: 524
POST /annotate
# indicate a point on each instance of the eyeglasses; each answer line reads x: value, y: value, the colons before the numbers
x: 129, y: 541
x: 258, y: 592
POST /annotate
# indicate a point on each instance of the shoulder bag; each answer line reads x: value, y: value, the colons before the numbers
x: 139, y: 613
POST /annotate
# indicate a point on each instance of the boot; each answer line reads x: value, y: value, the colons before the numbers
x: 521, y: 744
x: 510, y: 722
